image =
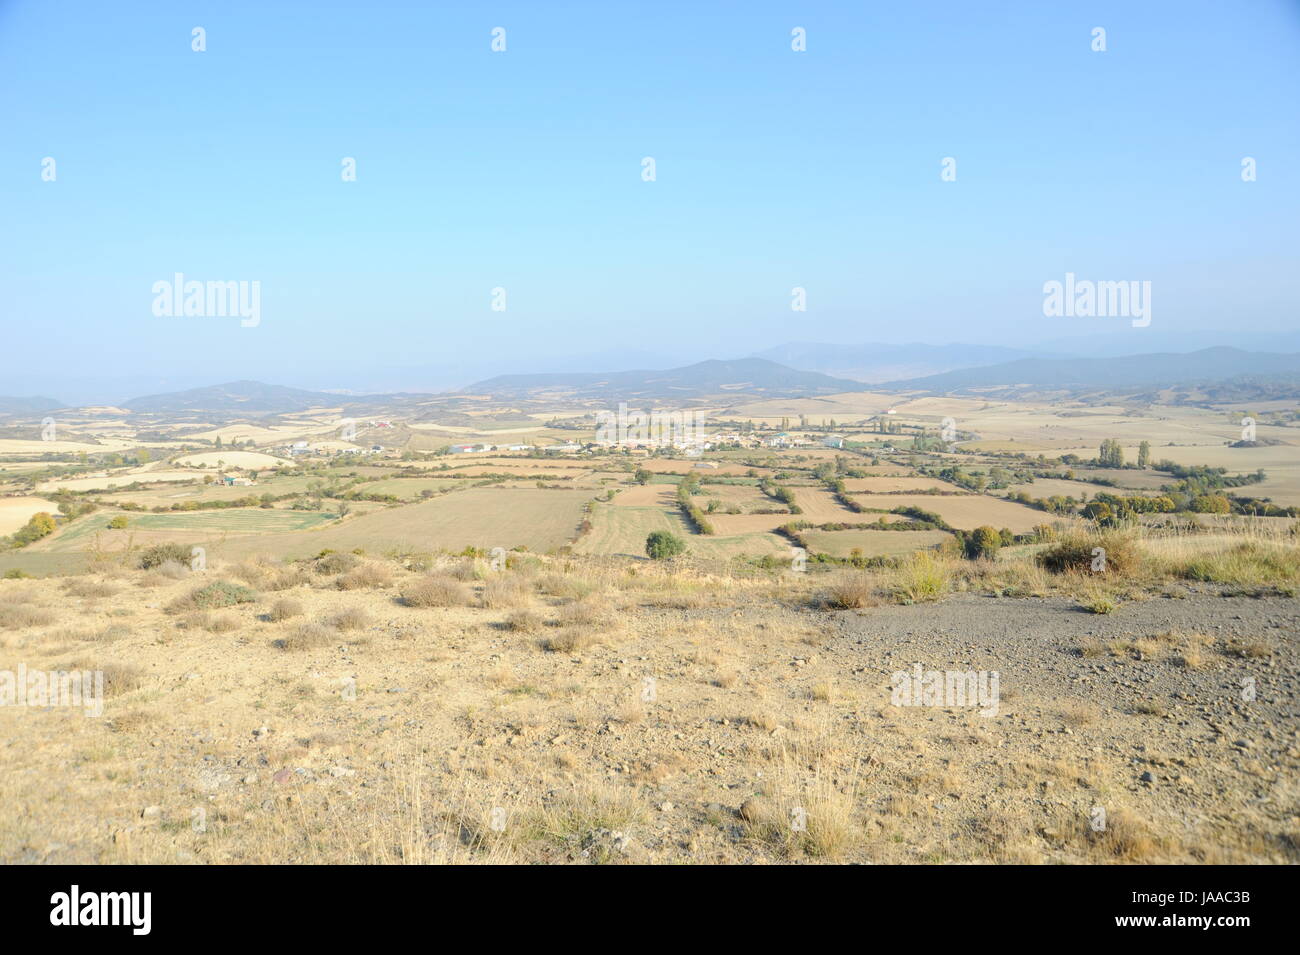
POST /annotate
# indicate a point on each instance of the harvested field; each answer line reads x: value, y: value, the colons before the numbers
x: 17, y: 511
x: 965, y: 512
x: 872, y: 543
x: 483, y: 517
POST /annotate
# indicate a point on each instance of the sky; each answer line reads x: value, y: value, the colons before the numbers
x: 522, y: 169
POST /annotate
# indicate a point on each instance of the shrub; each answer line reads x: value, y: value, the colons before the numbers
x: 351, y: 619
x: 308, y: 636
x: 159, y: 554
x: 849, y: 592
x: 366, y: 576
x: 661, y: 545
x: 14, y: 616
x: 213, y: 622
x: 983, y: 542
x: 219, y: 593
x: 523, y: 621
x: 570, y: 640
x: 118, y: 522
x: 435, y: 591
x: 505, y: 592
x: 921, y: 577
x: 333, y: 563
x: 284, y: 608
x: 1075, y: 553
x: 581, y: 613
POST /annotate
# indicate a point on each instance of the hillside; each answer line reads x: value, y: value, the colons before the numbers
x: 745, y: 375
x: 240, y: 398
x: 1130, y: 372
x: 26, y: 406
x: 874, y: 362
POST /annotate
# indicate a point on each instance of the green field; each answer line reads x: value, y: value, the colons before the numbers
x: 408, y: 489
x: 872, y: 543
x: 200, y: 524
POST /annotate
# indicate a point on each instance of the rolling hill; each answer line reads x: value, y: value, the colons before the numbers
x: 872, y: 363
x: 743, y: 376
x: 1163, y: 370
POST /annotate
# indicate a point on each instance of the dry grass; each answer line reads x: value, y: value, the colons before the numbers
x: 307, y: 636
x: 354, y: 618
x: 20, y: 616
x: 505, y: 591
x: 367, y: 576
x: 851, y: 590
x: 284, y: 609
x: 435, y: 591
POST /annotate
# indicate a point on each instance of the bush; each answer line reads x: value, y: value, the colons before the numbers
x: 1075, y: 554
x: 366, y: 576
x: 40, y: 525
x: 661, y: 545
x: 331, y: 563
x: 350, y: 619
x: 921, y: 577
x: 983, y: 542
x: 308, y: 636
x: 159, y: 554
x: 435, y: 592
x: 523, y: 621
x: 284, y: 608
x: 219, y: 593
x: 850, y: 592
x: 505, y: 592
x: 118, y: 522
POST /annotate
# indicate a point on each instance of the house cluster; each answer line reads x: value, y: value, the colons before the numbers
x: 304, y: 448
x: 230, y: 481
x: 477, y: 448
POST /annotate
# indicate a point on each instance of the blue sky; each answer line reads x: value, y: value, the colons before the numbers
x: 522, y: 170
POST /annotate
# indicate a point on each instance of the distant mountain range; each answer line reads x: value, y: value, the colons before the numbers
x: 238, y: 397
x: 28, y: 406
x: 872, y: 363
x: 1155, y: 371
x: 1220, y: 373
x: 752, y: 376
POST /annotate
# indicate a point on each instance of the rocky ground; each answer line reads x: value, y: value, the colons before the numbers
x: 607, y: 721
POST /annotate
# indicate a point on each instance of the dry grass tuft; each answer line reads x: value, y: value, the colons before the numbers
x: 307, y: 636
x: 436, y: 591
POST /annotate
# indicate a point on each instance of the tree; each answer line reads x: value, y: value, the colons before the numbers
x: 118, y: 522
x: 983, y: 542
x: 643, y: 476
x: 1144, y: 454
x: 661, y: 545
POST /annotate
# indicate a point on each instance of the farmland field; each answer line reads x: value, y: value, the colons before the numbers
x: 872, y: 543
x: 119, y: 479
x: 201, y: 525
x: 17, y: 511
x: 410, y: 488
x: 623, y: 531
x: 485, y: 517
x: 886, y: 485
x: 965, y: 512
